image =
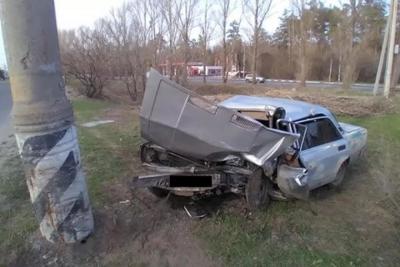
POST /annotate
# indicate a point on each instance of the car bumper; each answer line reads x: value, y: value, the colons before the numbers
x: 180, y: 182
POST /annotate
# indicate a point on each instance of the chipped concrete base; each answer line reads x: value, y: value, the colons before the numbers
x: 57, y: 184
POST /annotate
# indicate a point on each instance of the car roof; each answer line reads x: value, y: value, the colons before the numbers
x: 295, y: 109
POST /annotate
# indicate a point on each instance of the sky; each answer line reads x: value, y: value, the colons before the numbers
x: 74, y: 13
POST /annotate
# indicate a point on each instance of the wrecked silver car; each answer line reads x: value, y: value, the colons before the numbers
x: 260, y: 147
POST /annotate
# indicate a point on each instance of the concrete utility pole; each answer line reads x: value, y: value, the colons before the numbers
x: 396, y: 60
x: 392, y: 37
x: 244, y: 60
x: 43, y: 121
x: 383, y: 53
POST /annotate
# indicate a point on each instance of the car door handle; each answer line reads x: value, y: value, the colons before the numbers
x: 311, y: 166
x: 342, y: 147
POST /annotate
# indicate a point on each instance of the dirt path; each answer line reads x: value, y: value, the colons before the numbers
x: 136, y: 230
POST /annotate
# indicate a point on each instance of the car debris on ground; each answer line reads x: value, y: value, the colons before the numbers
x: 96, y: 123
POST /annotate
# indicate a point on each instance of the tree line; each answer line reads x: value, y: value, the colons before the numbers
x: 313, y: 41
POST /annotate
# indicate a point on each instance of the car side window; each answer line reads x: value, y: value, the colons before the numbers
x: 319, y: 132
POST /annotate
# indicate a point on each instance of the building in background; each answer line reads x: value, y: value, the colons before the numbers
x: 214, y: 70
x: 193, y: 69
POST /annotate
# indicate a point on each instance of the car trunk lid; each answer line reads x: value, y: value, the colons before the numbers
x: 183, y: 122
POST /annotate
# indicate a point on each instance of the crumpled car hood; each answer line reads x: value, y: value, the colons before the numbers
x: 185, y: 123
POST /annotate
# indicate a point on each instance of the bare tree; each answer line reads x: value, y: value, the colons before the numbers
x: 120, y: 33
x: 299, y: 5
x: 207, y: 30
x: 122, y: 46
x: 186, y: 19
x: 337, y: 40
x: 146, y: 20
x: 224, y: 10
x: 258, y: 10
x: 396, y: 63
x: 350, y: 55
x: 156, y: 27
x: 170, y: 11
x: 133, y: 33
x: 305, y: 17
x: 85, y: 56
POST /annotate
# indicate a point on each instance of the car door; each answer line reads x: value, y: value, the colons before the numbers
x: 323, y: 150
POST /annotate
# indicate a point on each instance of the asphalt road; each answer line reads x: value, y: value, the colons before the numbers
x: 364, y: 87
x: 5, y: 110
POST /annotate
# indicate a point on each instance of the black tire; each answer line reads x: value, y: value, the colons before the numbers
x: 340, y: 175
x: 257, y: 189
x: 158, y: 192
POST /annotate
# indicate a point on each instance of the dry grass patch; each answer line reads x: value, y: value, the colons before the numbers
x: 339, y: 102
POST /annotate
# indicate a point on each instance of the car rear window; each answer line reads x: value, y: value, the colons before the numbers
x: 319, y: 132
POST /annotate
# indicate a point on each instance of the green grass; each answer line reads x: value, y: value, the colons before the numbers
x: 386, y: 127
x: 86, y: 110
x: 322, y: 232
x: 285, y: 235
x: 383, y: 141
x: 107, y: 150
x: 382, y: 156
x: 16, y: 216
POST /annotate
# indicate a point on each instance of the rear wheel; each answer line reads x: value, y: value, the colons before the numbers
x: 158, y: 192
x: 257, y: 190
x: 340, y: 176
